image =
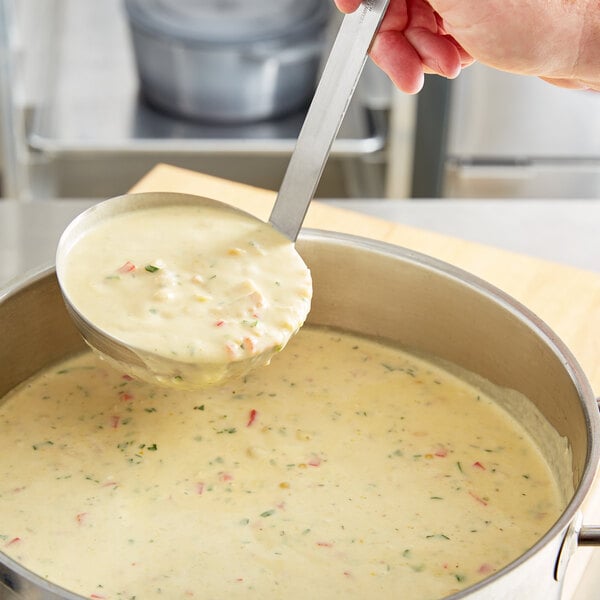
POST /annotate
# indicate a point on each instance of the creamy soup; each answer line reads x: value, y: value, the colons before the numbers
x: 200, y: 292
x: 346, y: 467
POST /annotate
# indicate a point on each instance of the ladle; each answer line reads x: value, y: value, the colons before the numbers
x: 323, y: 119
x: 325, y: 115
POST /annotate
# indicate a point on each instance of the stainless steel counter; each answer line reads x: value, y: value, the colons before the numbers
x: 564, y: 231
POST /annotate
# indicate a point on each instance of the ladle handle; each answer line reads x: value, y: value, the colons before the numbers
x: 325, y: 115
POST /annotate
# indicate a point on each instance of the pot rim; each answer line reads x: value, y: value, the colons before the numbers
x: 501, y: 298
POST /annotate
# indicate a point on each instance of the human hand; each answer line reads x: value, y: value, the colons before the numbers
x: 411, y: 42
x: 557, y: 40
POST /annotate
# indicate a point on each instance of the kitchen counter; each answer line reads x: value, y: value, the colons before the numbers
x: 563, y: 231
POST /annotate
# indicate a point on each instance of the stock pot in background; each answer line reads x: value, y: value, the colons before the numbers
x: 381, y: 290
x: 228, y: 60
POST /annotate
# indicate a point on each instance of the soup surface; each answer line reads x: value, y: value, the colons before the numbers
x: 208, y: 290
x: 346, y: 467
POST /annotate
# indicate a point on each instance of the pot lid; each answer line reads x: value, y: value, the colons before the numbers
x: 228, y: 21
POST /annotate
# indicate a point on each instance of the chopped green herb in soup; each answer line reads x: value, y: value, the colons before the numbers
x: 347, y: 468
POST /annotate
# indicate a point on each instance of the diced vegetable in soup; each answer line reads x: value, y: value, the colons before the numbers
x: 348, y: 468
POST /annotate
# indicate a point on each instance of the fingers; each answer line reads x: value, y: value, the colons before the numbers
x: 392, y: 52
x: 412, y: 42
x: 347, y: 6
x: 436, y: 52
x: 465, y: 58
x: 406, y: 56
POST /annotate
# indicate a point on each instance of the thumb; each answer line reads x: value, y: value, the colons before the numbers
x: 347, y: 6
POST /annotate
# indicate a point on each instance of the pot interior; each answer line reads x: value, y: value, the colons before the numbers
x: 431, y: 308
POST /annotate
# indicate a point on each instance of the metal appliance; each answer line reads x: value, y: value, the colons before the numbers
x: 74, y: 125
x: 516, y: 136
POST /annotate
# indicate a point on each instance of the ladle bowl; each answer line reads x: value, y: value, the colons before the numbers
x: 184, y: 372
x: 323, y: 119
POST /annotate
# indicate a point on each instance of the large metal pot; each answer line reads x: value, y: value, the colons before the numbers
x: 231, y: 61
x: 386, y: 291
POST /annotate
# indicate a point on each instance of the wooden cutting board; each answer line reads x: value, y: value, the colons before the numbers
x: 567, y: 299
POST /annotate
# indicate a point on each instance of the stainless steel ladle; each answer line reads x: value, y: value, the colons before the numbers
x: 322, y: 122
x: 325, y: 115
